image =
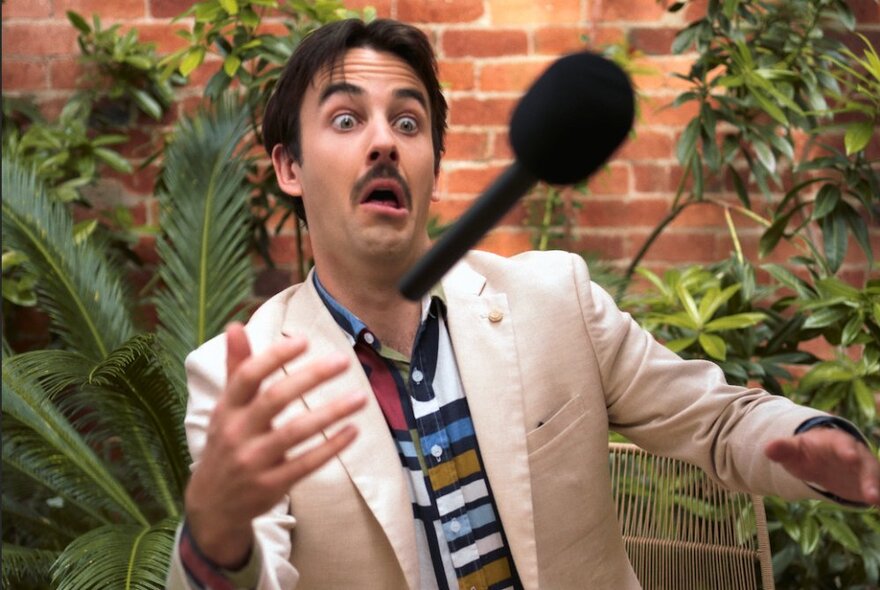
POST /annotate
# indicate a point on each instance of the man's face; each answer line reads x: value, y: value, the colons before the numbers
x: 367, y: 170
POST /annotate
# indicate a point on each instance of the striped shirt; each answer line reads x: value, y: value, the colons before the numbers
x: 461, y: 542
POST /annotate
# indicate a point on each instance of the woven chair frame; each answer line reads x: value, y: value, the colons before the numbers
x: 684, y: 531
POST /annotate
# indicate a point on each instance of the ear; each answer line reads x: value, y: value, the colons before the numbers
x: 435, y: 192
x: 286, y: 171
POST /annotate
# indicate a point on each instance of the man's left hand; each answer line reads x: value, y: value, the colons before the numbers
x: 830, y: 459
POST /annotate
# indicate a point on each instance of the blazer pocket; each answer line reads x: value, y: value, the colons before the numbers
x: 567, y: 415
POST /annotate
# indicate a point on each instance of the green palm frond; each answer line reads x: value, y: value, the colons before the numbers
x: 79, y: 286
x: 24, y: 567
x: 206, y: 271
x: 129, y: 400
x: 56, y: 370
x: 134, y: 399
x: 46, y: 445
x: 69, y: 489
x: 29, y: 524
x: 123, y: 557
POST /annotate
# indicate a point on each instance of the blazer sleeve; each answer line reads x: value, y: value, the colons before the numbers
x: 685, y: 408
x: 206, y: 378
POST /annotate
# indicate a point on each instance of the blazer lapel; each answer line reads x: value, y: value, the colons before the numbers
x: 482, y: 334
x: 371, y: 461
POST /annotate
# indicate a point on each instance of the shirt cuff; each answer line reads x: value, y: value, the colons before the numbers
x: 204, y: 573
x: 838, y: 424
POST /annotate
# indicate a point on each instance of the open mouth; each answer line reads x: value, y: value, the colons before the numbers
x: 383, y: 193
x: 383, y: 197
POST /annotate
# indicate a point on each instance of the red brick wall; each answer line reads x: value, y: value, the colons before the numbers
x: 489, y: 51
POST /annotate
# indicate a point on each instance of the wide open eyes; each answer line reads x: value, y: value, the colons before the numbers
x: 344, y: 122
x: 407, y: 124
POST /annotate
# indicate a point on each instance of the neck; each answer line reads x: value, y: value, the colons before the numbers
x: 371, y: 294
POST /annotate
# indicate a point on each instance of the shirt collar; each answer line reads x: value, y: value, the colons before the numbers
x: 353, y: 327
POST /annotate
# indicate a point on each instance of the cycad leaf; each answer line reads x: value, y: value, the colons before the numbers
x: 48, y: 476
x: 134, y: 397
x: 205, y: 270
x: 127, y: 557
x: 56, y: 370
x: 79, y: 286
x: 26, y: 566
x: 128, y: 398
x: 51, y: 449
x: 29, y: 523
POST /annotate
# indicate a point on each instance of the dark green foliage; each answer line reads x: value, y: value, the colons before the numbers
x: 764, y: 73
x: 80, y: 287
x: 94, y: 455
x: 204, y: 224
x: 123, y: 73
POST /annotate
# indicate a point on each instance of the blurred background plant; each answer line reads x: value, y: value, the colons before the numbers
x: 94, y: 457
x: 785, y: 112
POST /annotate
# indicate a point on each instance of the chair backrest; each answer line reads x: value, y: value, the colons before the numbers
x: 684, y: 531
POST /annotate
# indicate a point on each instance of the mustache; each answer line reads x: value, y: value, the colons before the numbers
x: 386, y: 171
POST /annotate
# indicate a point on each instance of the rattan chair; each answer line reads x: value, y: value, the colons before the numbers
x: 682, y: 530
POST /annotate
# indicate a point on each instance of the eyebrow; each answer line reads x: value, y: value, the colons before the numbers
x: 349, y: 88
x: 337, y: 88
x: 414, y: 94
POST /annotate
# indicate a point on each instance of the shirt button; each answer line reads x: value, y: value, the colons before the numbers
x: 495, y: 316
x: 417, y: 376
x: 437, y: 451
x: 369, y: 338
x: 454, y: 526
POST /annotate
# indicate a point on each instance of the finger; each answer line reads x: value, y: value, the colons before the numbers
x: 276, y: 444
x: 796, y: 456
x: 294, y: 469
x: 284, y: 391
x: 783, y: 450
x: 237, y: 348
x: 245, y: 381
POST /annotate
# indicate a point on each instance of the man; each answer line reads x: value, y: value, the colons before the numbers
x: 481, y: 412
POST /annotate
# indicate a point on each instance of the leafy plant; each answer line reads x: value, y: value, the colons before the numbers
x: 121, y: 72
x: 758, y: 337
x: 695, y: 297
x: 765, y: 74
x: 50, y: 430
x: 848, y: 318
x: 67, y: 156
x: 818, y: 545
x: 94, y: 456
x: 65, y: 153
x: 204, y: 240
x: 18, y: 286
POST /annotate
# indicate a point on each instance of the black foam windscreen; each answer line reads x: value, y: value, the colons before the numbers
x: 573, y: 118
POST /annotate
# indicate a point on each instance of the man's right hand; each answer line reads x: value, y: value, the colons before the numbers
x: 244, y: 469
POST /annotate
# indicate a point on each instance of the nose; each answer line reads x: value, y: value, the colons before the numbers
x: 383, y: 146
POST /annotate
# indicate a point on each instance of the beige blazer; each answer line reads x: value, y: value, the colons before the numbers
x: 548, y: 363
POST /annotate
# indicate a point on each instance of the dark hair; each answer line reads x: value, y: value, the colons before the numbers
x: 325, y: 47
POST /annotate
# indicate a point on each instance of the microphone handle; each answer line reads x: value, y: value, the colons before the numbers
x: 467, y: 231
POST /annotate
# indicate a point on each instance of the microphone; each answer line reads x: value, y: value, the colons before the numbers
x: 564, y: 128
